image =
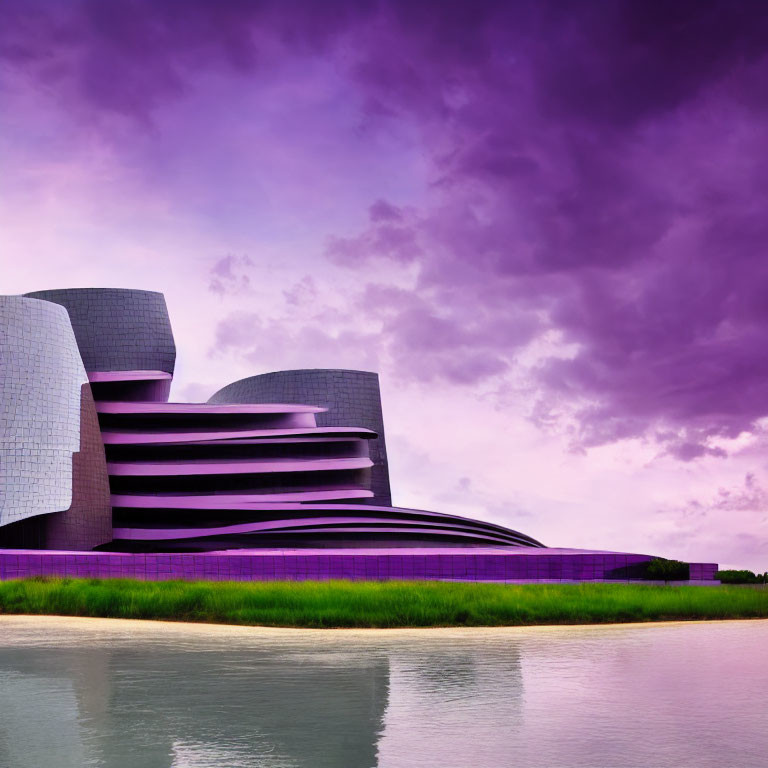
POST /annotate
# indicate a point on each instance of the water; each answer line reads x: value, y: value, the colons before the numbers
x: 81, y: 692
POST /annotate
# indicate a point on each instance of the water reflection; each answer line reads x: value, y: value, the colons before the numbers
x: 455, y: 704
x: 78, y: 693
x: 179, y: 702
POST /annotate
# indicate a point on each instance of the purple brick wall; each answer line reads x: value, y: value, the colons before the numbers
x: 702, y: 571
x: 332, y: 564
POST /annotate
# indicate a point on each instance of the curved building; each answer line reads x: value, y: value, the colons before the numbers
x: 54, y: 491
x: 348, y: 397
x: 285, y: 459
x: 124, y: 337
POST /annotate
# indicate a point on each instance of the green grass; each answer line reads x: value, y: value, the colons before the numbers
x: 377, y: 604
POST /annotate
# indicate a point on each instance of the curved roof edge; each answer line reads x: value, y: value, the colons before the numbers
x: 123, y: 289
x: 117, y: 328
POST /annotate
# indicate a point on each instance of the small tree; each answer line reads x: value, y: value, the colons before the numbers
x: 667, y: 570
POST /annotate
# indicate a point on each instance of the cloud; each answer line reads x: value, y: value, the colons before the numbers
x: 301, y: 293
x: 732, y: 524
x: 750, y: 497
x: 596, y: 174
x: 392, y: 234
x: 602, y: 173
x: 229, y: 275
x: 266, y: 344
x: 130, y: 56
x: 431, y: 343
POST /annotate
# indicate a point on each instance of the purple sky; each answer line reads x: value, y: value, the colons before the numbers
x: 543, y: 223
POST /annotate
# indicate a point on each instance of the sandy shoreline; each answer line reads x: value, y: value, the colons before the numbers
x: 143, y: 627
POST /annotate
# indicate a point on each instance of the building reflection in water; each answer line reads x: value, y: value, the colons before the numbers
x: 191, y: 703
x: 133, y: 695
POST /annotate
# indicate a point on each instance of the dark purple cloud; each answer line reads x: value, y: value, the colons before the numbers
x: 130, y: 56
x: 599, y: 181
x: 602, y: 169
x: 392, y: 234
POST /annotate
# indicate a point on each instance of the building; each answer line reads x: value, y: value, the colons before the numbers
x: 278, y: 475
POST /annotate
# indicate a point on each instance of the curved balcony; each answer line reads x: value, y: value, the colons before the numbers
x: 199, y: 524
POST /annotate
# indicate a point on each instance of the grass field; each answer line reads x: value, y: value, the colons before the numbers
x: 377, y: 604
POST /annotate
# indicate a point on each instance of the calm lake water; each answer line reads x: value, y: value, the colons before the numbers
x: 82, y: 692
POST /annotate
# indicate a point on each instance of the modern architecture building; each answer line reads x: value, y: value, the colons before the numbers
x: 278, y: 475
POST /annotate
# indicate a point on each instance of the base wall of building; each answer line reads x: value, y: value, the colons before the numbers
x: 296, y: 565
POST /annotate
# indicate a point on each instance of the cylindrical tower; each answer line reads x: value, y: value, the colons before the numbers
x: 352, y: 398
x: 124, y: 337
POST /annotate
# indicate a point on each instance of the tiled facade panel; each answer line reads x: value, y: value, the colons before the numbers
x: 54, y: 489
x: 352, y: 398
x: 118, y: 329
x: 314, y: 565
x: 41, y: 376
x: 88, y: 521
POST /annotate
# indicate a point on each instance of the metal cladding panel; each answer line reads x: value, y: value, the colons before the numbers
x: 40, y: 381
x: 88, y: 521
x: 51, y: 454
x: 118, y: 329
x: 352, y: 398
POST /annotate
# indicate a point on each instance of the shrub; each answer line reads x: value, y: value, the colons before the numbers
x: 740, y: 577
x: 668, y: 570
